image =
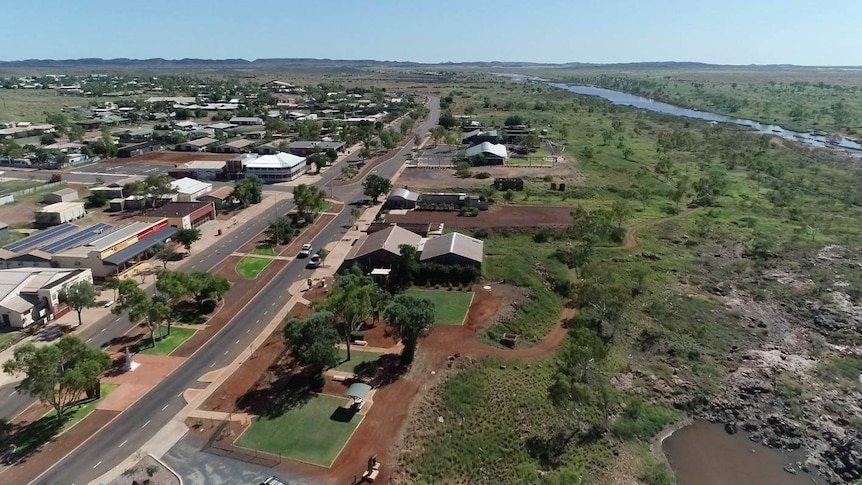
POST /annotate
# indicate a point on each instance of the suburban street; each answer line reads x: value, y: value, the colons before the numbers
x: 131, y: 429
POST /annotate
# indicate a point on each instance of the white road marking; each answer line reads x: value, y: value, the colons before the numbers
x: 145, y: 424
x: 102, y: 330
x: 257, y: 321
x: 89, y: 339
x: 266, y: 312
x: 225, y: 352
x: 180, y: 395
x: 237, y: 342
x: 12, y: 393
x: 212, y: 365
x: 166, y: 406
x: 247, y: 331
x: 117, y: 320
x: 97, y: 464
x: 121, y: 444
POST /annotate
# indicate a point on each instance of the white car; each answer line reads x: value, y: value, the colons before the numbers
x: 305, y: 251
x: 314, y: 262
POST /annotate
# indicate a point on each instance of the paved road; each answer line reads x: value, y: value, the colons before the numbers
x: 139, y: 423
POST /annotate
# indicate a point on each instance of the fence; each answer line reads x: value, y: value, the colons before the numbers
x: 9, y: 198
x: 222, y: 443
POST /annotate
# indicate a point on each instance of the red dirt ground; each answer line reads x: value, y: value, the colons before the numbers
x: 497, y: 216
x: 170, y: 158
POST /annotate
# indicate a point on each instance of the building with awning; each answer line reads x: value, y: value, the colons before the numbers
x: 142, y: 250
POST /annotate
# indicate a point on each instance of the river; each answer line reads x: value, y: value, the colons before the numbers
x: 702, y: 453
x: 835, y: 142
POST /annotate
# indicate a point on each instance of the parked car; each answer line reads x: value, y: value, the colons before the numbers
x: 314, y: 262
x: 305, y: 251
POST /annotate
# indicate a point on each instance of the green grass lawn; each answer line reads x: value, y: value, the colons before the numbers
x: 249, y: 267
x: 357, y: 358
x: 9, y: 338
x: 34, y: 435
x: 450, y: 307
x: 313, y: 432
x: 10, y: 186
x: 165, y: 345
x: 264, y: 250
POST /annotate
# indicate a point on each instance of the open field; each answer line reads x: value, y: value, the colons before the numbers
x: 32, y: 104
x: 9, y: 186
x: 166, y: 344
x: 312, y: 432
x: 450, y: 307
x: 441, y: 179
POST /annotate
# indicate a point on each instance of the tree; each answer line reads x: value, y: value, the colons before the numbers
x: 204, y: 286
x: 280, y: 230
x: 576, y: 255
x: 76, y: 133
x: 97, y: 199
x: 375, y: 185
x: 404, y: 273
x: 308, y: 200
x: 406, y: 125
x: 579, y: 361
x: 620, y: 211
x: 319, y: 161
x: 447, y: 121
x: 188, y: 236
x: 514, y: 120
x: 59, y: 374
x: 462, y: 169
x: 410, y: 317
x: 313, y: 341
x: 166, y: 252
x: 644, y: 194
x: 110, y: 148
x: 355, y: 214
x: 627, y: 152
x: 437, y: 134
x: 352, y: 300
x: 138, y: 306
x: 81, y: 295
x: 157, y: 186
x: 248, y: 190
x: 452, y: 138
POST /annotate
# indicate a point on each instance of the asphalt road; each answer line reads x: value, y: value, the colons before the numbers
x: 135, y: 426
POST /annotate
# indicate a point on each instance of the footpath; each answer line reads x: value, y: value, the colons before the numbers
x: 176, y: 429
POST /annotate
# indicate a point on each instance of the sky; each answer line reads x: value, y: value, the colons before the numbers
x: 803, y: 32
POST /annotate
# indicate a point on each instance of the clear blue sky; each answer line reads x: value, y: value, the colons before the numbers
x: 806, y: 32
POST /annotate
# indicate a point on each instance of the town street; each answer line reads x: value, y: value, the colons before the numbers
x: 131, y: 429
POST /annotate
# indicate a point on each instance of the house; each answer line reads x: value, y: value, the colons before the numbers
x: 136, y: 135
x: 197, y: 145
x: 234, y: 146
x: 255, y: 135
x: 246, y: 120
x: 266, y: 149
x: 401, y: 199
x: 475, y: 137
x: 495, y: 154
x: 182, y: 215
x: 306, y: 148
x: 110, y: 191
x: 32, y: 295
x: 187, y: 125
x: 453, y: 249
x: 60, y: 213
x: 204, y: 169
x: 515, y: 133
x: 62, y: 195
x: 281, y: 167
x: 90, y: 125
x: 221, y: 126
x: 220, y: 197
x: 139, y: 149
x: 188, y: 189
x: 381, y: 249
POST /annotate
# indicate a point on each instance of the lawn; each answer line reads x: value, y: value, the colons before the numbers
x: 34, y: 435
x: 249, y: 267
x: 313, y: 432
x: 450, y: 307
x: 10, y: 186
x: 264, y: 250
x: 166, y: 344
x: 9, y: 338
x: 357, y: 358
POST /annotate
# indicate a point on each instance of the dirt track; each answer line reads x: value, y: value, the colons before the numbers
x: 497, y: 216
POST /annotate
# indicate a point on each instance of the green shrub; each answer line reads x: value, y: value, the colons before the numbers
x: 482, y: 175
x: 655, y: 472
x: 643, y: 420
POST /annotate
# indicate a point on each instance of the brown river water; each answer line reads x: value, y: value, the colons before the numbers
x: 704, y: 454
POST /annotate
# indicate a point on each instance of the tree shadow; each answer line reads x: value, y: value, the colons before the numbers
x: 389, y: 369
x: 290, y: 390
x: 550, y: 450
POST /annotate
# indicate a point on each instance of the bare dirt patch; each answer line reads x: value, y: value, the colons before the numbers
x: 497, y: 216
x: 169, y: 158
x: 445, y: 178
x: 148, y: 471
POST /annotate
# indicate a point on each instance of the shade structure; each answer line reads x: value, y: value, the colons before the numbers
x: 358, y: 390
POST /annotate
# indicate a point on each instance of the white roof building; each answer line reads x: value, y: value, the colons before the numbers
x: 189, y: 189
x: 29, y: 295
x: 279, y: 167
x: 487, y: 148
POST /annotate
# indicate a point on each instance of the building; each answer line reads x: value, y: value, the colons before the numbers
x: 112, y: 251
x: 450, y: 201
x: 90, y: 125
x: 220, y: 197
x: 401, y: 199
x: 187, y: 125
x: 32, y: 295
x: 306, y: 148
x: 188, y: 189
x: 197, y: 145
x: 4, y: 230
x: 495, y: 154
x: 281, y: 167
x: 60, y: 213
x: 504, y: 184
x: 182, y: 215
x: 381, y: 249
x: 234, y: 146
x: 453, y: 249
x: 246, y: 120
x: 110, y: 191
x: 202, y: 169
x: 137, y: 135
x: 476, y: 136
x: 62, y: 195
x: 139, y: 149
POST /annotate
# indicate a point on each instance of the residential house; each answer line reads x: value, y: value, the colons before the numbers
x: 220, y: 197
x: 306, y: 148
x: 381, y: 249
x: 246, y: 120
x: 197, y: 145
x: 139, y: 149
x: 234, y: 146
x: 453, y: 249
x: 401, y: 198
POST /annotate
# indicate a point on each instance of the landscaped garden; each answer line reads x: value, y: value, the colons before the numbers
x: 251, y: 266
x: 450, y: 307
x: 312, y: 432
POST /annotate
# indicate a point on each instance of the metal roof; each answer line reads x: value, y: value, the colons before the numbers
x: 200, y: 142
x: 358, y: 390
x: 279, y: 160
x: 189, y: 186
x: 40, y: 237
x: 453, y: 243
x: 488, y: 147
x: 127, y: 254
x: 119, y: 235
x: 177, y: 209
x: 389, y: 239
x: 79, y: 238
x: 404, y: 194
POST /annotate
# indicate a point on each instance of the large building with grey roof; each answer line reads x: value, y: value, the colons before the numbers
x: 32, y: 295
